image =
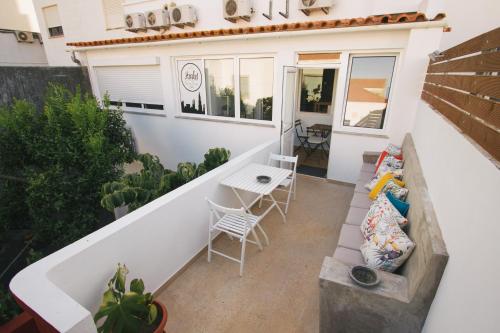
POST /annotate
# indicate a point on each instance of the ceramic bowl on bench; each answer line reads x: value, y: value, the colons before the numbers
x: 364, y: 276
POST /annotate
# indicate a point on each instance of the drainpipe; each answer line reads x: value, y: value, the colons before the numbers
x: 75, y: 59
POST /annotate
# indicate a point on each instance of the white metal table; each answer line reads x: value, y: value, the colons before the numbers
x: 246, y: 180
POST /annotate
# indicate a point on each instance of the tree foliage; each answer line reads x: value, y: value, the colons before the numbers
x: 53, y: 163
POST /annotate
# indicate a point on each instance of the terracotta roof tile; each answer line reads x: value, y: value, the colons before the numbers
x: 298, y: 26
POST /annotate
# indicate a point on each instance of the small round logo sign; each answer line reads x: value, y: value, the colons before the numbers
x: 191, y: 77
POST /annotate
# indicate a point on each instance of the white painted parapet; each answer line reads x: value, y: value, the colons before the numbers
x: 155, y: 242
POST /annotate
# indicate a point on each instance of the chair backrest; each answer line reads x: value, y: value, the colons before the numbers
x: 298, y: 126
x: 283, y: 158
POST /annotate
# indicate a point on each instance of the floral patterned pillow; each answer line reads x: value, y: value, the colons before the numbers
x: 399, y: 192
x: 398, y: 173
x: 381, y: 217
x: 387, y: 250
x: 391, y: 161
x: 393, y: 150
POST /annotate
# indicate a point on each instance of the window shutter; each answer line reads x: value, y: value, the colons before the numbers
x: 52, y: 17
x: 113, y: 13
x: 135, y: 84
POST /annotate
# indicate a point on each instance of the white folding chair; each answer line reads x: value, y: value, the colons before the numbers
x: 289, y: 185
x: 235, y: 223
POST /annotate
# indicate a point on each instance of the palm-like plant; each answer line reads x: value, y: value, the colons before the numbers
x: 126, y: 311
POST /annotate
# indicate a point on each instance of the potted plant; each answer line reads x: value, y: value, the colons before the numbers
x: 129, y: 311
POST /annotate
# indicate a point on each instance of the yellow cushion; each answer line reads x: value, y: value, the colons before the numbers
x: 381, y: 183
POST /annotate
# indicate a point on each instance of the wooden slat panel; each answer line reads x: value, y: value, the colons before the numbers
x: 488, y: 62
x: 456, y: 116
x: 477, y: 106
x: 482, y: 42
x: 486, y: 137
x: 477, y: 84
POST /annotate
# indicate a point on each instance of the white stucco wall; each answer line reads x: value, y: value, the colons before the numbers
x: 13, y: 53
x: 464, y: 188
x: 176, y: 140
x: 18, y: 15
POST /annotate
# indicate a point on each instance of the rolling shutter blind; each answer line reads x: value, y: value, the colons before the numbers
x: 135, y: 84
x: 52, y: 16
x: 113, y: 12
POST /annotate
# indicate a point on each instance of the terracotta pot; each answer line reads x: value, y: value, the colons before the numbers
x: 164, y: 317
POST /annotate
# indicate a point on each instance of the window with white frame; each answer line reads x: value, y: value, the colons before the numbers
x: 134, y: 88
x: 113, y: 13
x: 53, y: 21
x: 207, y: 86
x: 368, y: 90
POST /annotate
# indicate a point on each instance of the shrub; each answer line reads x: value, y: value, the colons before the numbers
x: 8, y: 308
x: 62, y: 157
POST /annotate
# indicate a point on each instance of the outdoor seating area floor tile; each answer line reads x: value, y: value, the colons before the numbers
x: 279, y: 290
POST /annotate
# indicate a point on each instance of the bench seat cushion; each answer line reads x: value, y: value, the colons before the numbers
x: 361, y: 200
x: 360, y: 187
x: 365, y: 176
x: 356, y: 216
x: 368, y: 167
x: 350, y: 237
x: 348, y: 256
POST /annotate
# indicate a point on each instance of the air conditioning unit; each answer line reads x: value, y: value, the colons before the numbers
x: 306, y: 6
x: 24, y: 36
x: 237, y: 9
x: 135, y: 22
x: 158, y: 19
x: 180, y: 16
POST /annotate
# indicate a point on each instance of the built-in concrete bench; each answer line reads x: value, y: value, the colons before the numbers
x: 402, y: 300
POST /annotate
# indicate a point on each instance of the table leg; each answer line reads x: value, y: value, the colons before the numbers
x: 241, y: 200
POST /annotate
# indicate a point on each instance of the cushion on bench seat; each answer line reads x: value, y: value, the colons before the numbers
x: 348, y: 256
x: 350, y: 237
x: 365, y: 176
x: 361, y: 200
x: 368, y: 167
x: 360, y: 187
x: 356, y: 216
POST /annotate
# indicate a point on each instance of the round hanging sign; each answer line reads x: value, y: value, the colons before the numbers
x: 191, y: 77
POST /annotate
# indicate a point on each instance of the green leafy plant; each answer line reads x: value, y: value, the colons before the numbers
x: 8, y: 308
x: 125, y: 311
x: 153, y: 181
x: 53, y: 163
x: 216, y: 157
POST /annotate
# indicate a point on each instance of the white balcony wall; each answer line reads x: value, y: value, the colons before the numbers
x: 464, y: 188
x: 155, y: 242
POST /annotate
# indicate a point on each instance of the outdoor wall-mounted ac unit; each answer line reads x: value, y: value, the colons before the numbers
x: 237, y: 9
x: 183, y: 15
x: 306, y: 6
x: 158, y: 19
x: 135, y: 22
x: 24, y: 36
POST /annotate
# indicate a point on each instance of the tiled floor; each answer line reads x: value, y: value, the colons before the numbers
x: 279, y: 289
x: 318, y: 159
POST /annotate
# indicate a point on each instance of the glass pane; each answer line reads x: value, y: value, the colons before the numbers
x: 368, y: 91
x: 316, y: 89
x: 256, y: 88
x: 219, y: 75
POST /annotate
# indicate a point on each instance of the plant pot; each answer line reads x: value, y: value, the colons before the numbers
x: 162, y: 310
x: 120, y: 211
x: 364, y: 276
